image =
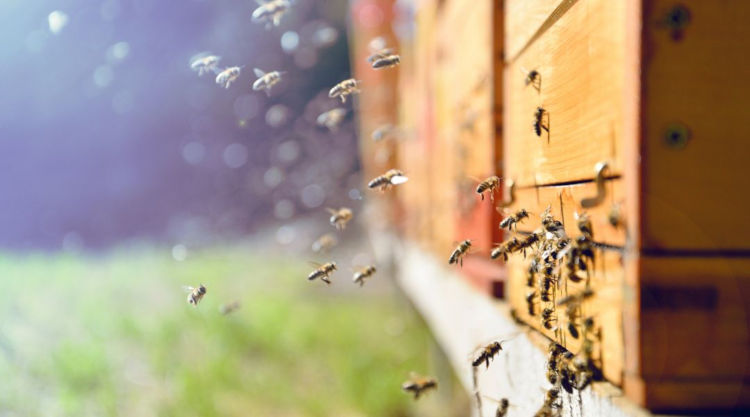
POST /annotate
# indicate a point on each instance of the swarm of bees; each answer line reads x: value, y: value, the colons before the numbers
x: 419, y: 384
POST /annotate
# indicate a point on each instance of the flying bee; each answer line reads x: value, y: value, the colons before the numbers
x: 228, y: 76
x: 323, y: 272
x: 332, y: 118
x: 385, y: 181
x: 324, y: 243
x: 205, y: 64
x: 614, y: 217
x: 539, y: 121
x: 229, y: 308
x: 419, y: 384
x: 382, y: 132
x: 195, y: 294
x: 511, y: 222
x: 266, y: 80
x: 549, y: 318
x: 488, y: 352
x: 505, y: 248
x: 528, y: 242
x: 551, y: 225
x: 344, y: 89
x: 584, y: 225
x: 387, y: 61
x: 364, y: 273
x: 270, y: 12
x: 457, y: 256
x: 530, y: 302
x: 379, y: 54
x: 489, y: 185
x: 339, y: 218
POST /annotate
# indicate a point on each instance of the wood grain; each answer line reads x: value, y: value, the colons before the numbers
x: 523, y: 18
x: 695, y: 195
x: 579, y: 60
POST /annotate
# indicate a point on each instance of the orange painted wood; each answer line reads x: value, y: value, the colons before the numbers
x: 581, y: 91
x: 695, y: 195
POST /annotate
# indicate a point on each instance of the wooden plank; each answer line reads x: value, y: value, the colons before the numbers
x: 695, y: 193
x: 582, y: 92
x: 565, y: 201
x: 523, y: 18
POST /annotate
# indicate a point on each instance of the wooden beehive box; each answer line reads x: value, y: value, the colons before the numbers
x: 657, y: 91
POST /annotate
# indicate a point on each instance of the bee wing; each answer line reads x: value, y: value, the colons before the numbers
x: 332, y: 211
x: 315, y: 264
x: 258, y: 72
x: 399, y: 179
x: 187, y: 288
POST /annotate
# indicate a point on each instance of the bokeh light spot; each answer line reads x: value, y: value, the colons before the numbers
x: 313, y: 196
x: 235, y: 155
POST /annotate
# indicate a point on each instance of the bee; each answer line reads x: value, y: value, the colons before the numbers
x: 568, y: 379
x: 270, y: 12
x: 195, y: 294
x: 490, y: 185
x: 378, y: 49
x: 539, y: 122
x: 551, y: 225
x: 614, y: 217
x: 205, y: 64
x: 382, y: 132
x: 323, y: 272
x: 386, y: 61
x: 419, y: 384
x: 505, y: 248
x: 530, y: 302
x: 385, y: 181
x: 332, y: 118
x: 339, y: 218
x: 511, y: 222
x: 228, y: 76
x: 488, y: 352
x: 324, y: 243
x: 345, y: 88
x: 549, y: 318
x: 552, y: 398
x: 584, y: 225
x: 502, y: 408
x: 547, y: 281
x: 534, y: 78
x: 266, y: 80
x: 531, y: 271
x: 364, y: 273
x: 457, y: 256
x: 576, y: 299
x: 229, y: 308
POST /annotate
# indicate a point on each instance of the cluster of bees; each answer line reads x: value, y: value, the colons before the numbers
x: 270, y: 13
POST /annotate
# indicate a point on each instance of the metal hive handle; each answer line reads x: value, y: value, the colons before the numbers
x: 600, y: 168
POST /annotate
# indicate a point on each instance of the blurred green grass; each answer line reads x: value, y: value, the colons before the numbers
x: 112, y: 335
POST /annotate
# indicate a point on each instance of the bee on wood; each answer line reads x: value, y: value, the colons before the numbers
x: 534, y: 78
x: 489, y: 185
x: 331, y: 118
x: 539, y: 122
x: 576, y: 299
x: 386, y: 61
x: 488, y: 352
x: 584, y: 225
x: 339, y: 218
x: 205, y: 64
x: 505, y: 248
x: 551, y: 405
x: 229, y: 308
x: 385, y: 181
x: 195, y: 294
x: 551, y: 225
x: 266, y: 80
x: 530, y: 297
x: 364, y: 273
x: 568, y: 379
x: 548, y: 281
x: 511, y: 222
x: 228, y: 76
x: 344, y: 89
x: 502, y: 408
x: 270, y: 12
x: 531, y: 271
x: 457, y: 256
x: 419, y: 384
x: 614, y: 217
x: 549, y: 319
x: 324, y: 243
x: 323, y: 272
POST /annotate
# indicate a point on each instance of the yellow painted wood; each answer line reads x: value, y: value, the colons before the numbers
x: 579, y: 59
